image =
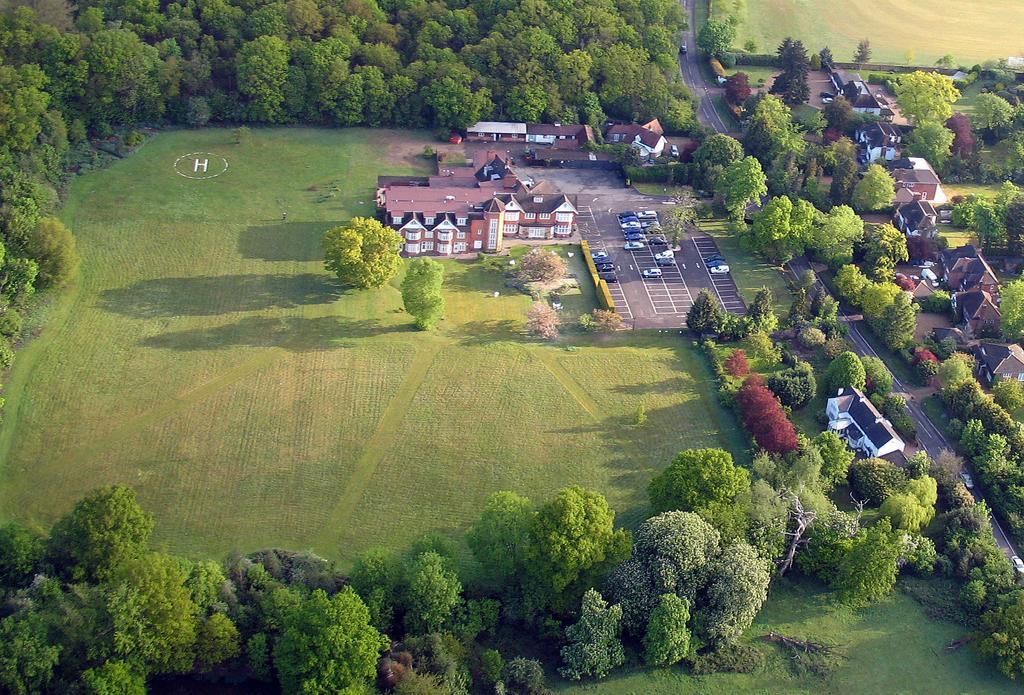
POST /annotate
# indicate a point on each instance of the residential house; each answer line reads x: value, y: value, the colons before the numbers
x: 470, y: 207
x: 955, y: 334
x: 916, y: 219
x: 646, y: 139
x: 977, y: 313
x: 558, y: 136
x: 965, y: 268
x: 854, y: 418
x: 997, y: 360
x: 879, y: 141
x: 494, y: 131
x: 916, y: 287
x: 856, y: 91
x: 916, y: 180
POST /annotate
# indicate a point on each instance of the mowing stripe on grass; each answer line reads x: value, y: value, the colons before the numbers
x: 379, y: 443
x: 568, y: 383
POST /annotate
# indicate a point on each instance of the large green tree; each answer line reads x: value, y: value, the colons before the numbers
x: 421, y: 292
x: 363, y: 253
x: 782, y: 229
x: 262, y: 70
x: 716, y: 37
x: 933, y: 141
x: 593, y: 648
x: 696, y: 478
x: 327, y: 645
x: 667, y: 640
x: 499, y: 540
x: 1001, y: 636
x: 846, y: 371
x: 735, y: 592
x: 27, y: 658
x: 837, y: 234
x: 875, y: 191
x: 433, y: 591
x: 926, y: 96
x: 1012, y: 308
x: 705, y: 316
x: 740, y: 184
x: 868, y: 571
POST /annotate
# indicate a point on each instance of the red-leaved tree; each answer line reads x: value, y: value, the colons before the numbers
x: 963, y: 135
x: 923, y: 354
x: 736, y: 363
x: 737, y: 88
x: 764, y: 418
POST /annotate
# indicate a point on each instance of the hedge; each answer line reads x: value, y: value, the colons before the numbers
x: 764, y: 60
x: 604, y: 295
x: 660, y: 173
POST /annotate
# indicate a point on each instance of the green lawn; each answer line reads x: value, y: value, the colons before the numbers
x: 970, y: 31
x: 205, y: 358
x: 750, y: 272
x: 890, y: 647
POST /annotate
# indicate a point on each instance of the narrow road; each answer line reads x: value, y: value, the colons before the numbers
x: 929, y: 436
x: 689, y: 66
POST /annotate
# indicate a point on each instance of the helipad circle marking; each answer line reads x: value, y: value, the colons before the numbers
x: 200, y: 165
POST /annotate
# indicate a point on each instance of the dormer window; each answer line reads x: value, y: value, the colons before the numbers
x: 396, y: 219
x: 538, y: 199
x: 429, y: 219
x: 461, y: 221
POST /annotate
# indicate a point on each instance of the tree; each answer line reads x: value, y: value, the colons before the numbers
x: 878, y: 377
x: 763, y: 348
x: 735, y: 592
x: 914, y: 508
x: 885, y: 247
x: 771, y: 131
x: 716, y: 37
x: 1012, y: 308
x: 875, y: 191
x: 737, y: 89
x: 328, y: 645
x: 875, y: 480
x: 963, y: 135
x: 432, y: 593
x: 826, y: 58
x: 863, y: 53
x: 421, y: 292
x: 794, y: 387
x: 541, y: 265
x: 705, y: 316
x: 840, y: 116
x: 791, y: 83
x: 926, y: 96
x: 20, y: 554
x: 736, y: 364
x: 992, y: 112
x: 1009, y: 393
x: 846, y: 371
x: 761, y: 312
x: 740, y: 184
x: 262, y: 70
x: 114, y: 678
x: 933, y: 141
x: 897, y: 322
x: 957, y: 368
x: 105, y: 528
x: 713, y: 156
x: 27, y: 658
x: 1001, y: 636
x: 153, y: 615
x: 542, y: 321
x: 696, y: 478
x: 363, y: 253
x: 837, y: 234
x: 844, y: 171
x: 836, y: 458
x: 667, y: 640
x: 764, y: 417
x: 593, y: 648
x: 52, y: 246
x: 868, y: 571
x: 499, y: 539
x: 782, y: 229
x: 217, y: 641
x: 605, y: 320
x: 571, y: 535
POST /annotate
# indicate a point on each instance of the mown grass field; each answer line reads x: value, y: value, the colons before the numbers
x: 890, y: 647
x: 205, y: 358
x: 969, y: 31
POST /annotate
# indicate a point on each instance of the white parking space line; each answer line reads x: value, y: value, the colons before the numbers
x: 616, y: 292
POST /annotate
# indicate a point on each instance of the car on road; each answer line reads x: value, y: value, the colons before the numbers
x: 667, y: 253
x: 1018, y: 564
x: 608, y: 276
x: 633, y: 236
x: 968, y: 480
x: 606, y: 267
x: 682, y: 49
x: 634, y: 245
x: 651, y: 272
x: 657, y: 240
x: 598, y: 255
x: 718, y: 269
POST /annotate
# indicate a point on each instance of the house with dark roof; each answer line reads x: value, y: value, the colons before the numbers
x: 854, y: 418
x: 917, y: 218
x: 558, y: 136
x: 916, y: 180
x: 856, y: 91
x: 472, y: 207
x: 942, y: 333
x: 646, y: 138
x: 977, y: 313
x: 965, y: 268
x: 879, y: 142
x: 999, y: 361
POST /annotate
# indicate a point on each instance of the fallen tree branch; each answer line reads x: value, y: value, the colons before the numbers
x: 798, y: 644
x: 959, y: 642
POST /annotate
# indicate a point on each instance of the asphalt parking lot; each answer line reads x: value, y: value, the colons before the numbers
x: 642, y: 302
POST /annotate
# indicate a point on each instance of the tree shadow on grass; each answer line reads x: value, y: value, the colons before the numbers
x: 291, y: 241
x: 218, y: 294
x: 665, y: 386
x: 487, y: 332
x: 291, y: 333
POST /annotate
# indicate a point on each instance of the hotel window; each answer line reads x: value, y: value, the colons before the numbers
x: 461, y: 221
x: 493, y: 226
x: 460, y: 235
x: 428, y: 246
x: 396, y: 219
x: 460, y: 247
x: 545, y: 216
x: 429, y: 234
x: 564, y: 217
x: 511, y: 229
x: 529, y: 215
x: 428, y: 220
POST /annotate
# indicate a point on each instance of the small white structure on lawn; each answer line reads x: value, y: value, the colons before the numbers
x: 854, y: 418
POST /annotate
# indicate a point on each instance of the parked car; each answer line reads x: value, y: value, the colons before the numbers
x: 626, y: 215
x: 682, y: 49
x: 968, y: 480
x: 714, y: 258
x: 1018, y: 564
x: 718, y: 269
x: 827, y: 100
x: 648, y: 225
x: 598, y: 255
x: 657, y: 240
x: 651, y: 272
x: 667, y: 253
x: 634, y: 245
x: 605, y: 267
x: 669, y: 261
x: 675, y: 151
x: 631, y: 227
x: 647, y: 215
x: 633, y: 236
x: 608, y: 277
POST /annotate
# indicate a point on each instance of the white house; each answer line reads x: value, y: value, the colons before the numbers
x: 879, y: 141
x: 853, y: 417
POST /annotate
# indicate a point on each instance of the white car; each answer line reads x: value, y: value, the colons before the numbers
x: 1018, y: 564
x: 968, y: 480
x: 929, y: 275
x: 928, y: 264
x: 633, y: 245
x: 599, y: 255
x: 718, y: 269
x: 647, y: 215
x: 667, y: 253
x: 651, y: 272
